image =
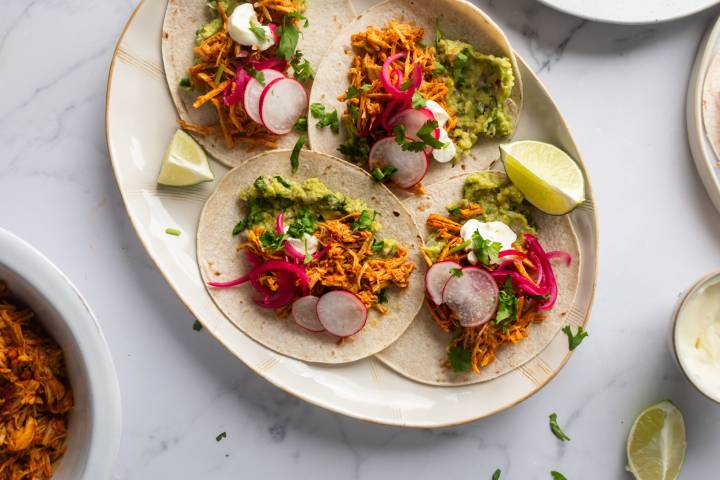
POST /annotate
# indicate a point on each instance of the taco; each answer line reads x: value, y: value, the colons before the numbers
x: 423, y: 91
x: 239, y: 72
x: 502, y: 279
x: 322, y: 265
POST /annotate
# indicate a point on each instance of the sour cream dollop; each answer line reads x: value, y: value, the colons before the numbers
x: 697, y: 337
x: 492, y: 231
x: 239, y: 23
x: 300, y: 244
x: 448, y: 152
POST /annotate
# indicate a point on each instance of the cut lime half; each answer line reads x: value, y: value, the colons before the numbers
x: 656, y: 443
x: 548, y: 177
x: 185, y: 163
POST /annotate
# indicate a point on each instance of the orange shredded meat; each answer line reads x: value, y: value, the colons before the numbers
x: 349, y: 264
x: 483, y: 341
x: 219, y: 57
x: 35, y: 396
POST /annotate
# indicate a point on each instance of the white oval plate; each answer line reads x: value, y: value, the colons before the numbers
x: 632, y: 12
x: 140, y: 120
x: 702, y: 152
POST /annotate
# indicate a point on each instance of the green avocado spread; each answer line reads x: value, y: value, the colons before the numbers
x: 501, y: 202
x: 480, y: 86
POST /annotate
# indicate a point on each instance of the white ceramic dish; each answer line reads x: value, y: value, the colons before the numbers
x: 95, y: 426
x: 140, y: 120
x: 702, y: 152
x: 712, y: 276
x: 632, y: 12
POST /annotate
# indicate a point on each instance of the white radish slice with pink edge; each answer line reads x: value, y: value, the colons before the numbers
x: 253, y: 91
x: 473, y: 296
x: 410, y: 166
x: 414, y: 119
x: 282, y: 102
x: 304, y: 312
x: 436, y: 277
x: 341, y: 313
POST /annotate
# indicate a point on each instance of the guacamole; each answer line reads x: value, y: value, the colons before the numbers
x: 501, y: 202
x: 269, y: 196
x: 479, y: 86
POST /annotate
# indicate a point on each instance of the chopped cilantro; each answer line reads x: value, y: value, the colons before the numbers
x: 507, y: 305
x: 173, y: 231
x: 221, y: 436
x: 364, y: 221
x: 289, y: 35
x: 425, y: 134
x: 382, y: 296
x: 185, y: 82
x: 574, y: 340
x: 377, y: 245
x: 304, y: 223
x: 438, y: 69
x: 454, y: 212
x: 260, y: 184
x: 259, y: 76
x: 405, y: 144
x: 241, y: 225
x: 352, y: 92
x: 485, y: 250
x: 557, y: 475
x: 384, y: 174
x: 282, y: 181
x: 197, y: 326
x: 459, y: 65
x: 258, y: 31
x: 295, y: 155
x: 317, y: 110
x: 418, y: 101
x: 356, y: 149
x: 272, y: 241
x: 302, y: 70
x: 406, y: 84
x: 456, y: 272
x: 459, y: 359
x: 301, y: 124
x: 496, y: 475
x: 556, y: 430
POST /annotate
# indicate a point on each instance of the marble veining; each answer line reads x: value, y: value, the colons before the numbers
x: 622, y: 90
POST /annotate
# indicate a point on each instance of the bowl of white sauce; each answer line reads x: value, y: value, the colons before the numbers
x: 696, y: 335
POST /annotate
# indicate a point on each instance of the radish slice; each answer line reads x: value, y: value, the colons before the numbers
x: 282, y: 102
x: 473, y: 296
x: 341, y: 313
x: 436, y: 278
x: 414, y: 120
x: 253, y: 91
x: 411, y: 166
x: 304, y: 312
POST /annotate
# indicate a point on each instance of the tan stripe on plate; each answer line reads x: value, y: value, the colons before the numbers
x: 131, y: 59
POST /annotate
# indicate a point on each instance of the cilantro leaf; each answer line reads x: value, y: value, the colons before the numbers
x: 304, y: 223
x: 282, y: 181
x: 485, y: 250
x: 427, y: 134
x: 458, y: 69
x: 574, y: 340
x: 302, y: 70
x: 557, y: 475
x: 377, y: 245
x: 364, y: 221
x: 317, y: 110
x: 384, y: 174
x: 438, y: 69
x: 197, y: 326
x: 418, y: 101
x: 241, y: 225
x: 352, y: 92
x: 405, y: 144
x: 556, y: 430
x: 289, y: 36
x: 356, y: 149
x: 258, y: 31
x: 459, y: 359
x: 295, y: 155
x: 185, y: 82
x: 272, y: 241
x: 260, y: 184
x: 496, y: 475
x: 406, y: 84
x: 454, y: 212
x: 301, y: 124
x: 221, y: 436
x: 507, y: 305
x: 259, y: 76
x: 456, y: 272
x: 382, y: 297
x: 366, y: 87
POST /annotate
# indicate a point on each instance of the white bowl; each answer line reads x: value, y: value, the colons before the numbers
x: 712, y: 276
x: 95, y: 426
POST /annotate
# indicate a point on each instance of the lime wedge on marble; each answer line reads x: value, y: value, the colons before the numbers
x: 548, y: 177
x: 656, y: 443
x: 185, y: 163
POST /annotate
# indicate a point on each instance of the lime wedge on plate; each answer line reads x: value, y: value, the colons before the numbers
x: 546, y: 175
x: 185, y: 163
x: 656, y: 444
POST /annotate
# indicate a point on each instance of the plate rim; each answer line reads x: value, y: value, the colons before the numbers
x: 618, y: 21
x: 318, y: 401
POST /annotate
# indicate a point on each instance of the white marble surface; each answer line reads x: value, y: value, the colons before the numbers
x: 623, y: 92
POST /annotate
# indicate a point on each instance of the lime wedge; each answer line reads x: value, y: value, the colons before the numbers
x: 185, y: 163
x: 656, y: 444
x: 546, y: 175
